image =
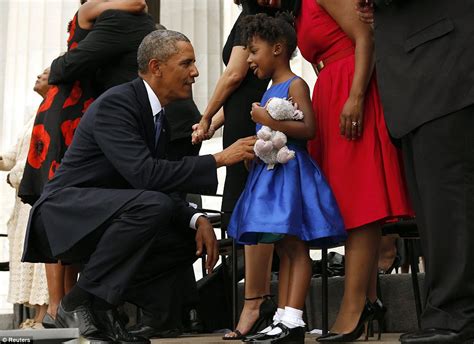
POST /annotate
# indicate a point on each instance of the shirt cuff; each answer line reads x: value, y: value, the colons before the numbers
x: 192, y: 223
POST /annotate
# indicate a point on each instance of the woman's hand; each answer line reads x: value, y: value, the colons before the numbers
x: 201, y: 131
x: 351, y: 118
x: 259, y: 114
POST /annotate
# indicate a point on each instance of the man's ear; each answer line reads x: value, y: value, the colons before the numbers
x: 154, y: 66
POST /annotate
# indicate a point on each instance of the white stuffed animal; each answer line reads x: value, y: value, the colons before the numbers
x: 271, y: 145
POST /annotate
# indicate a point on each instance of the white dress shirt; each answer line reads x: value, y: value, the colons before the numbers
x: 155, y: 109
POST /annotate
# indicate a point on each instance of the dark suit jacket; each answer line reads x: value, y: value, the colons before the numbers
x: 424, y: 60
x: 108, y: 53
x: 111, y: 160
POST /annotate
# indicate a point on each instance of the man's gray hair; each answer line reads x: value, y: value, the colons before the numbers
x: 160, y: 45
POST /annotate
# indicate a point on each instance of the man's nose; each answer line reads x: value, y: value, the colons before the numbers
x: 194, y: 72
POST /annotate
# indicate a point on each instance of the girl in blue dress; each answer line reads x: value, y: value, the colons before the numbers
x: 291, y: 205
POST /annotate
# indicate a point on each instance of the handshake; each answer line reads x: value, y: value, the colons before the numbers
x: 240, y: 150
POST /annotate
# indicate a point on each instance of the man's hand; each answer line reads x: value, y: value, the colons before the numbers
x: 365, y: 10
x: 206, y: 240
x: 240, y: 150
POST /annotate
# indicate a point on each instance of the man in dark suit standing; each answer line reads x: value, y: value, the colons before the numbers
x: 114, y: 204
x: 425, y: 70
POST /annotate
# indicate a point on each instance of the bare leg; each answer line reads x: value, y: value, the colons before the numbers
x: 387, y: 252
x: 300, y: 271
x: 372, y: 288
x: 55, y: 278
x: 40, y: 311
x: 70, y: 277
x: 361, y: 251
x: 283, y: 276
x: 258, y: 258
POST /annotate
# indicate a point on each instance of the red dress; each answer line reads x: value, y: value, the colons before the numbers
x: 366, y: 175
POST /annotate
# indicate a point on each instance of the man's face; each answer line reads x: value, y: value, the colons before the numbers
x: 179, y: 72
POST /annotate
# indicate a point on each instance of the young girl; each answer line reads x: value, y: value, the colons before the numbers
x: 291, y: 205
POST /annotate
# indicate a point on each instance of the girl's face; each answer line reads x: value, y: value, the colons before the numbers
x: 261, y: 58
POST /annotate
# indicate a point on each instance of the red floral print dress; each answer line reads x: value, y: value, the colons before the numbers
x: 56, y: 121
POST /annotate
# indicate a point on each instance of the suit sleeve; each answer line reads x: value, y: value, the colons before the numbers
x: 106, y: 41
x: 117, y: 132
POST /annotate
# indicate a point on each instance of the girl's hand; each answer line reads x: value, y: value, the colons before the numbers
x: 351, y: 118
x: 259, y: 114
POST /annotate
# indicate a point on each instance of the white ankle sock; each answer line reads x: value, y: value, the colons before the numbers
x: 276, y: 319
x: 291, y: 318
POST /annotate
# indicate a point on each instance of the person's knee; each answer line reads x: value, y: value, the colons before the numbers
x: 156, y: 208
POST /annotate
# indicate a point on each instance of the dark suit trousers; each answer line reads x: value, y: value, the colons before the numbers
x: 439, y: 163
x: 139, y: 255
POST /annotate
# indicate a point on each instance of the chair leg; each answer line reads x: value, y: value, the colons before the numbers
x: 324, y: 290
x: 414, y: 278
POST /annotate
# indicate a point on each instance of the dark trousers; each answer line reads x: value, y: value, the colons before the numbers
x: 138, y: 256
x: 439, y: 163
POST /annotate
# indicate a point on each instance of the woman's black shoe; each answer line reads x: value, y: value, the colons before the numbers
x: 48, y: 321
x: 365, y: 317
x: 287, y: 336
x: 265, y: 317
x: 378, y: 314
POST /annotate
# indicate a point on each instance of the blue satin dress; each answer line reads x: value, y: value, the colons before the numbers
x: 291, y: 199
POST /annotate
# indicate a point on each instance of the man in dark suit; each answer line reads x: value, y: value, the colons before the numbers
x: 114, y: 204
x: 108, y: 53
x: 425, y: 71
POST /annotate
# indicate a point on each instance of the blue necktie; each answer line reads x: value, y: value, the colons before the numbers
x: 158, y: 125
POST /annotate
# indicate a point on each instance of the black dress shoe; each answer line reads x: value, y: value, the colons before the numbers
x: 287, y: 336
x: 81, y: 317
x: 113, y: 328
x: 433, y: 335
x: 146, y: 331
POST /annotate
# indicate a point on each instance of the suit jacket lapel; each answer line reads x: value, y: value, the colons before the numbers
x: 146, y: 116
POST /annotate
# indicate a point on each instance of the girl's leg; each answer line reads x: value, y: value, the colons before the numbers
x: 300, y: 271
x: 283, y: 275
x: 55, y: 278
x: 258, y: 264
x: 295, y: 262
x: 361, y: 252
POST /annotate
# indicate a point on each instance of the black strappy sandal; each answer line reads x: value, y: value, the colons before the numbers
x: 266, y: 311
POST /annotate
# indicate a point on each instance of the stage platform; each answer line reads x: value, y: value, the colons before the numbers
x: 387, y: 338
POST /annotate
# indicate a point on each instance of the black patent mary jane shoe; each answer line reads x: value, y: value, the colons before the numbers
x: 286, y: 336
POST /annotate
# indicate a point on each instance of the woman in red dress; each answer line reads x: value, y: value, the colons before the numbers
x: 353, y: 148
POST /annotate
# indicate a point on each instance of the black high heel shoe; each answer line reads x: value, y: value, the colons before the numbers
x: 265, y: 317
x: 378, y: 311
x: 365, y: 317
